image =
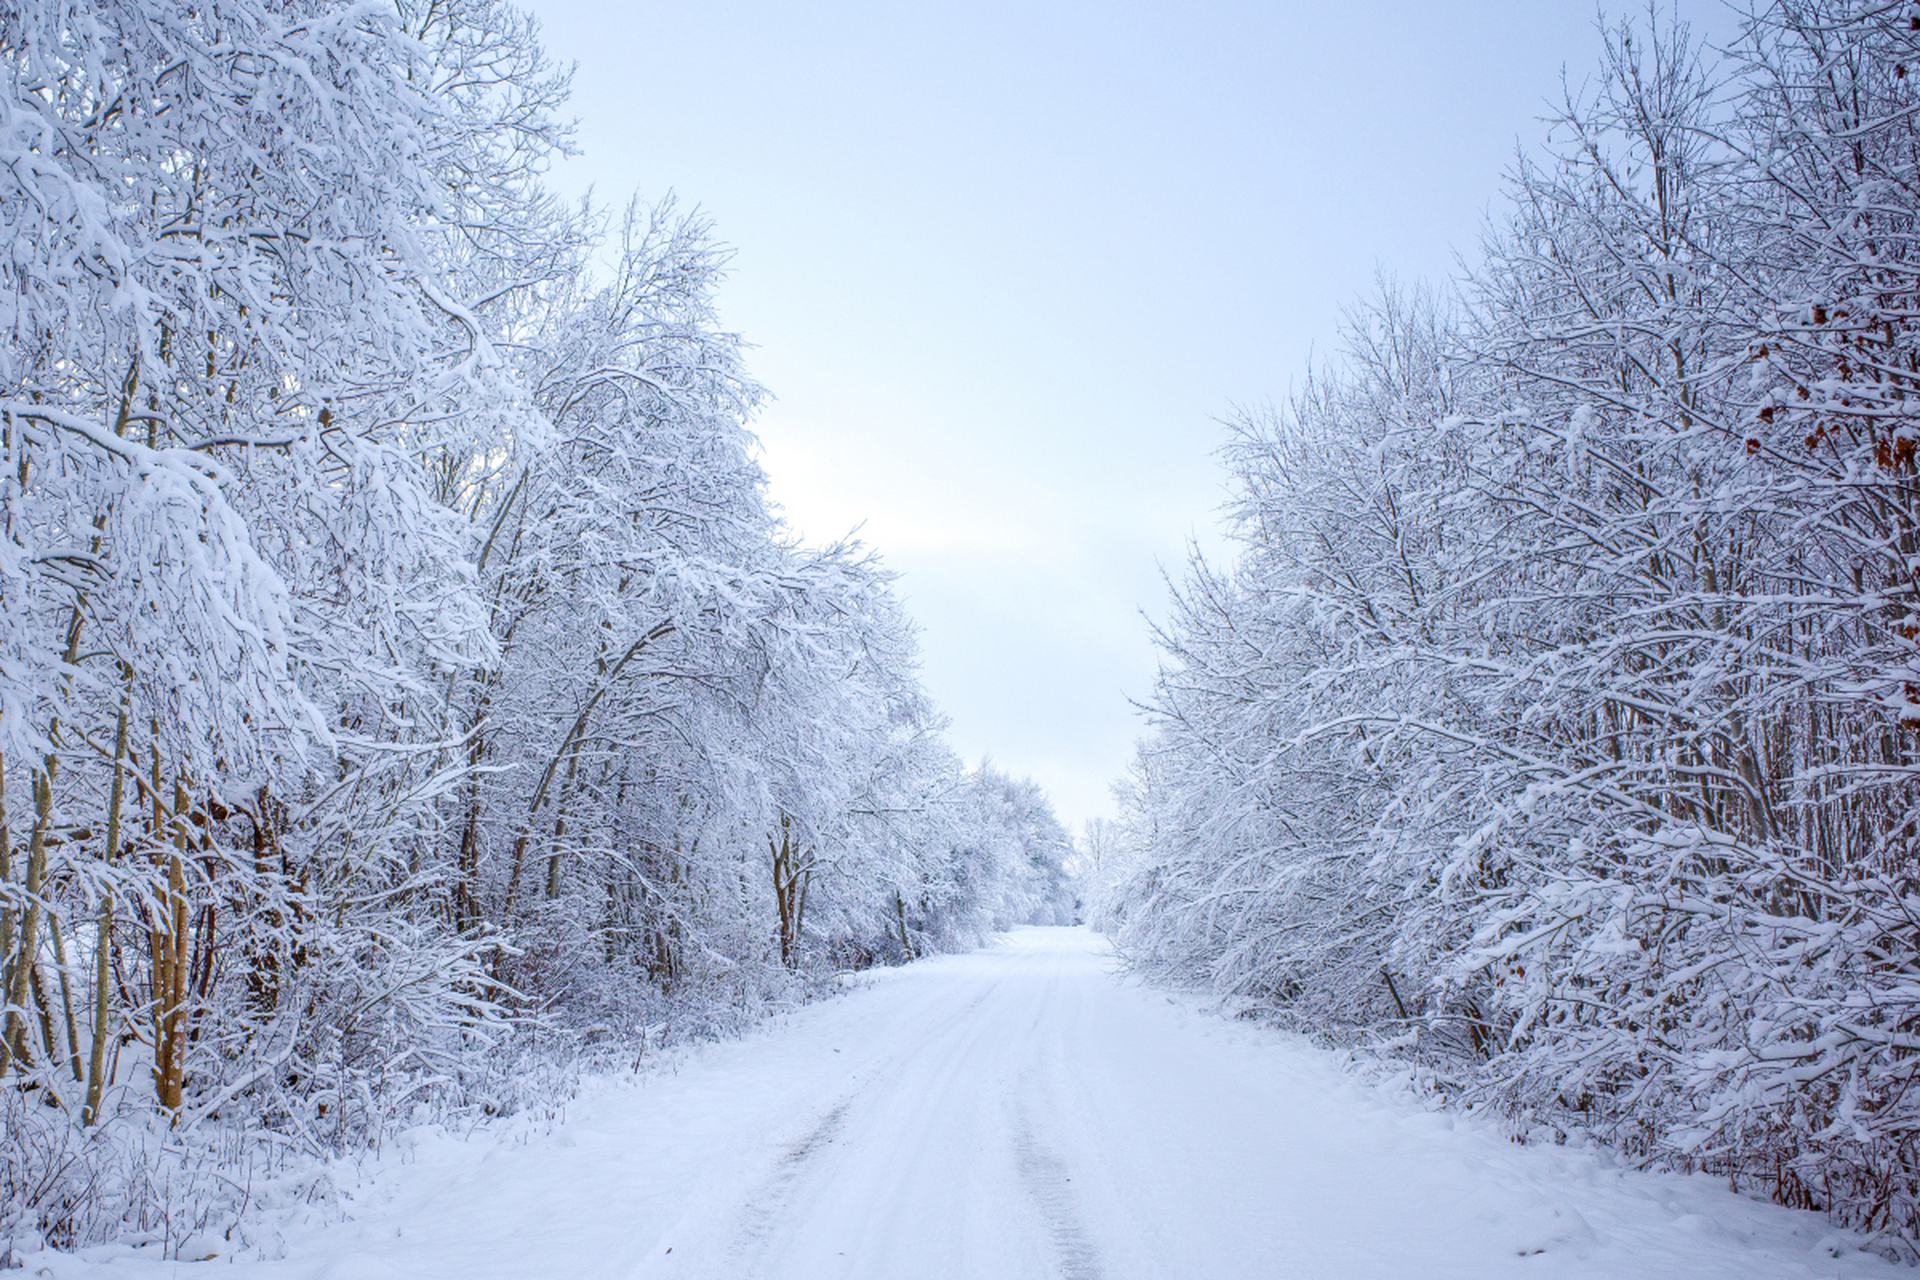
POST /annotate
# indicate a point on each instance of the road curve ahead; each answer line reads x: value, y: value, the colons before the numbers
x: 1025, y: 1112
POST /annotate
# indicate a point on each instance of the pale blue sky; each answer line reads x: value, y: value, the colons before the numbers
x: 1006, y: 265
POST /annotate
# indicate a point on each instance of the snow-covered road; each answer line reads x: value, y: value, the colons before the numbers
x: 1021, y: 1112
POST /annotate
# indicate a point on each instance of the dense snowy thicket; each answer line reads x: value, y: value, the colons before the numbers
x: 1559, y: 723
x: 403, y: 681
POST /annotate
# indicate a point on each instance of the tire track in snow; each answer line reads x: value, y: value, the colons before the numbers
x: 761, y: 1218
x: 1044, y: 1175
x: 766, y: 1221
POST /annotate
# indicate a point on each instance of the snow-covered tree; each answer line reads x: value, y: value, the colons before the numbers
x: 402, y: 670
x: 1554, y: 723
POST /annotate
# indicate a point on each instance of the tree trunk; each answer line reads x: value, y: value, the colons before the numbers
x: 29, y: 942
x: 66, y: 1000
x: 6, y: 926
x: 900, y: 914
x: 792, y: 875
x: 263, y: 968
x: 169, y: 942
x: 103, y: 945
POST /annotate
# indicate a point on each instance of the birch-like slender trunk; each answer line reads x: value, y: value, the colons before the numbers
x: 6, y: 927
x: 102, y: 956
x: 66, y: 1000
x: 29, y: 943
x: 172, y: 966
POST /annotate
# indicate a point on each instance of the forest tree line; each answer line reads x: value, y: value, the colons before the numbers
x: 403, y: 675
x: 1557, y: 726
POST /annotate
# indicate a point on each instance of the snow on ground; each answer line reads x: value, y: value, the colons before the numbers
x: 1018, y: 1112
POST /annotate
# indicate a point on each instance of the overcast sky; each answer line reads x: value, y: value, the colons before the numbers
x: 1007, y: 265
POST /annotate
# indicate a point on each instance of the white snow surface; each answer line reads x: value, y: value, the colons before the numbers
x: 1022, y: 1111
